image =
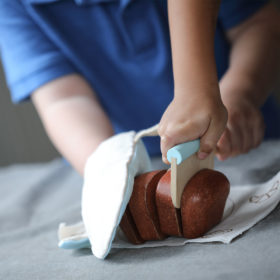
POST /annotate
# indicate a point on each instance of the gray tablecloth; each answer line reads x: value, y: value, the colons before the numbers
x: 35, y: 198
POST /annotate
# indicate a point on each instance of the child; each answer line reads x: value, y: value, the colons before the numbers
x: 97, y: 67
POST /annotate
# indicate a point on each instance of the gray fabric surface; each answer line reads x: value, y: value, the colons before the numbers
x: 35, y: 198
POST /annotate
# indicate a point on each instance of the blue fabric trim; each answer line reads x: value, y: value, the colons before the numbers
x: 74, y: 244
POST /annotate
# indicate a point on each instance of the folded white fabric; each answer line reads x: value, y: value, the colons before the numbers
x: 108, y: 184
x: 246, y: 205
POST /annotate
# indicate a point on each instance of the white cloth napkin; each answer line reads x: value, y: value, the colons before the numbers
x: 246, y: 206
x: 108, y: 184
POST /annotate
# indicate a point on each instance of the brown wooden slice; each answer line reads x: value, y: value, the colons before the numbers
x: 129, y: 228
x: 203, y: 202
x: 142, y: 205
x: 169, y: 216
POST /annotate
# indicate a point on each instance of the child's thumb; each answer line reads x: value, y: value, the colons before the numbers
x: 165, y: 144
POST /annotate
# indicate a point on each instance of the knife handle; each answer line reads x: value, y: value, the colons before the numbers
x: 183, y: 151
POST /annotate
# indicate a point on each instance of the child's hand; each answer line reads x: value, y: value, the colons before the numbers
x: 196, y: 110
x: 245, y: 127
x: 191, y: 117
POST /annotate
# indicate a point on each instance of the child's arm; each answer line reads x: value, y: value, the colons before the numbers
x: 73, y: 118
x: 196, y: 110
x: 251, y: 77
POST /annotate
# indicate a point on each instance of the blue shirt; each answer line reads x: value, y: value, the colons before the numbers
x: 122, y: 48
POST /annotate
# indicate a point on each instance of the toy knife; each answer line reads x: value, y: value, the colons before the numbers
x: 184, y: 164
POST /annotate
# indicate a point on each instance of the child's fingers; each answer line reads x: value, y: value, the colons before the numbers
x: 176, y: 128
x: 209, y: 140
x: 174, y: 135
x: 253, y: 132
x: 224, y: 148
x: 245, y: 134
x: 239, y: 138
x: 245, y: 130
x: 165, y: 144
x: 236, y: 138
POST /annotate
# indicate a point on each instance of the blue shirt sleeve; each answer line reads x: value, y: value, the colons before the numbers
x: 29, y: 58
x: 233, y: 12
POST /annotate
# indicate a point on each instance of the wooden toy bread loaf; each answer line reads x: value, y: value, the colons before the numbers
x: 202, y: 206
x: 203, y: 202
x: 143, y: 207
x: 129, y: 228
x: 169, y: 216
